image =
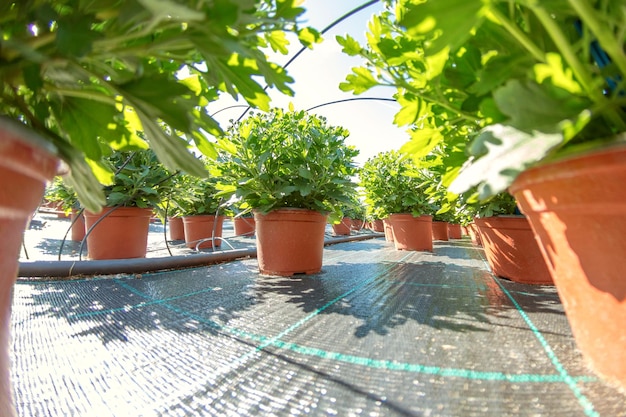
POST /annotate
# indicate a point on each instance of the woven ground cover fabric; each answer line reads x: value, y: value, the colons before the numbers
x: 377, y: 332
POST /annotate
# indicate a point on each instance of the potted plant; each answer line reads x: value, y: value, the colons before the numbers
x: 395, y: 187
x: 243, y: 219
x: 200, y: 209
x: 79, y: 77
x: 292, y: 169
x: 352, y: 214
x: 541, y: 85
x: 65, y: 198
x: 120, y: 229
x: 509, y: 242
x: 357, y: 213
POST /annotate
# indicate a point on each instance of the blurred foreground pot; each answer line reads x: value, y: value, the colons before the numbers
x: 25, y: 167
x: 577, y: 209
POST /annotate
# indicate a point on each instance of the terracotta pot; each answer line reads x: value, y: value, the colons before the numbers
x: 201, y: 227
x: 440, y: 231
x: 465, y: 230
x: 512, y: 251
x: 244, y: 226
x: 387, y: 230
x: 577, y: 208
x: 378, y: 226
x: 176, y: 228
x: 412, y: 233
x: 123, y: 234
x: 78, y: 226
x: 290, y: 241
x: 474, y: 234
x: 25, y: 167
x: 454, y: 231
x: 357, y: 224
x: 343, y: 228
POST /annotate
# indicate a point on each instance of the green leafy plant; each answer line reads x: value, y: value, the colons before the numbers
x: 498, y: 204
x: 393, y: 184
x: 288, y: 159
x: 355, y: 209
x: 91, y: 76
x: 193, y: 195
x: 140, y: 180
x: 58, y: 192
x: 527, y: 81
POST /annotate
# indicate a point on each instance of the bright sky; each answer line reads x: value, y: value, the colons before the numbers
x: 317, y: 75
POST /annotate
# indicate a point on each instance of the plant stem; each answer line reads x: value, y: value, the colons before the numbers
x: 609, y: 43
x: 519, y: 35
x: 85, y: 94
x: 581, y: 73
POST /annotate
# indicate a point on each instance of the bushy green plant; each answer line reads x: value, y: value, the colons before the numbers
x: 194, y: 195
x: 287, y: 159
x: 140, y: 180
x: 393, y: 184
x: 61, y: 193
x: 524, y: 81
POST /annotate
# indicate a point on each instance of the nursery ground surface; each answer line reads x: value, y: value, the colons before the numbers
x: 378, y: 332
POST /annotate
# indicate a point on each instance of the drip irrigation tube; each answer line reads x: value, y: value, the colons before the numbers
x: 66, y: 269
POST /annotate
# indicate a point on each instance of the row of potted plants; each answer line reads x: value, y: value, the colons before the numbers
x: 531, y: 94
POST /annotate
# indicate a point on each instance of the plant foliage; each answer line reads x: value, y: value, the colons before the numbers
x: 526, y: 80
x: 394, y: 184
x: 288, y: 159
x: 93, y: 75
x: 140, y: 180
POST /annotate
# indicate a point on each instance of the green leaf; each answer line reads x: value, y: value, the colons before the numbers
x: 359, y: 81
x: 278, y: 41
x: 422, y: 142
x: 84, y: 121
x: 207, y: 148
x: 171, y: 150
x: 507, y: 152
x: 350, y: 45
x: 160, y: 97
x: 75, y: 36
x: 410, y: 110
x: 451, y: 21
x: 560, y: 75
x: 544, y: 107
x: 239, y: 72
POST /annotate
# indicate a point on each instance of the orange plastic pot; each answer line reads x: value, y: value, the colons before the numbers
x: 78, y: 225
x: 440, y: 231
x: 412, y: 233
x: 357, y: 224
x: 454, y: 231
x: 176, y: 228
x: 577, y: 208
x: 512, y: 251
x: 343, y: 228
x: 25, y: 167
x: 387, y: 229
x: 378, y: 226
x: 244, y: 226
x: 290, y: 241
x: 474, y: 234
x: 122, y: 234
x: 203, y: 231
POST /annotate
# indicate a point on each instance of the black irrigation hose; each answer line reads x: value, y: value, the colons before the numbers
x: 65, y: 269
